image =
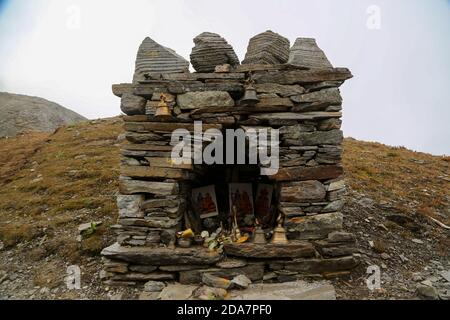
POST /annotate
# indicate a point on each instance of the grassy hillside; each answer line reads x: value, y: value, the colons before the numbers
x: 58, y: 182
x: 71, y: 177
x: 50, y: 184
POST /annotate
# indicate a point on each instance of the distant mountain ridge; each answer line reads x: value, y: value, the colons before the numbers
x: 19, y: 113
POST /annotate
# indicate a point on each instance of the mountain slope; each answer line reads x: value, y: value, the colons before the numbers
x: 68, y: 178
x: 20, y: 113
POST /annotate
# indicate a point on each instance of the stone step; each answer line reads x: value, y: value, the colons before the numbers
x: 295, y: 249
x: 161, y: 255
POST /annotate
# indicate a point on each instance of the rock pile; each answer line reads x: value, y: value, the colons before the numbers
x: 306, y: 53
x: 267, y: 48
x: 210, y: 51
x: 304, y: 106
x: 153, y: 58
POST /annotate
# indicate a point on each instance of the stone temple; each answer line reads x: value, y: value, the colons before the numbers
x: 187, y: 221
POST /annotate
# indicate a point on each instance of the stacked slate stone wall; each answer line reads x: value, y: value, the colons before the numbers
x: 301, y: 100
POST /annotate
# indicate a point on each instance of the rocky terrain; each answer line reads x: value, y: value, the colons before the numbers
x: 397, y: 206
x: 19, y: 113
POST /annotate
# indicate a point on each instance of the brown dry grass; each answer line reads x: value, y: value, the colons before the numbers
x: 413, y: 181
x: 15, y: 152
x: 69, y: 180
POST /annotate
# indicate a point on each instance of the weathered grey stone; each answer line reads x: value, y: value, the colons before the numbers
x: 197, y: 100
x: 306, y: 53
x: 177, y: 292
x: 313, y: 227
x: 151, y: 222
x: 161, y: 256
x: 267, y: 48
x: 339, y: 236
x: 208, y: 293
x: 210, y: 51
x: 298, y: 290
x: 336, y: 185
x: 254, y: 272
x: 154, y: 286
x: 142, y: 269
x: 303, y: 77
x: 306, y: 173
x: 181, y: 268
x: 231, y: 263
x: 130, y: 206
x: 153, y: 58
x: 333, y: 137
x: 295, y: 249
x: 323, y: 85
x: 241, y: 282
x: 132, y: 105
x: 141, y: 277
x: 320, y: 266
x: 294, y: 131
x: 151, y: 187
x: 329, y: 249
x: 148, y: 296
x: 334, y: 206
x: 138, y: 138
x: 303, y: 191
x: 284, y: 91
x: 292, y: 211
x: 330, y: 124
x: 127, y: 161
x: 427, y: 292
x: 330, y: 96
x: 116, y: 267
x: 215, y: 282
x: 336, y: 195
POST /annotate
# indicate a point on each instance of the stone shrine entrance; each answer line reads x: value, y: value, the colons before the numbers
x: 179, y: 221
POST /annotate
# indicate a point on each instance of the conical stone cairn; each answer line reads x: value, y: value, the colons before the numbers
x: 153, y: 58
x: 267, y: 48
x: 210, y: 51
x: 306, y: 53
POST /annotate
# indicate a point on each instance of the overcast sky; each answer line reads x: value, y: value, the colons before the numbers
x: 72, y: 51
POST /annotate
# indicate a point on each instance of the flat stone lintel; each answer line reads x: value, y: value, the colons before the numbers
x: 161, y: 256
x: 294, y: 249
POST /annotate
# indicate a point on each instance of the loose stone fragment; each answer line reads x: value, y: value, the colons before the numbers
x: 132, y: 105
x: 241, y: 282
x: 154, y: 286
x: 215, y: 282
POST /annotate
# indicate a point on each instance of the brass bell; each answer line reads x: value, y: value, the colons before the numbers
x: 163, y: 110
x: 259, y: 237
x: 279, y: 233
x: 250, y: 97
